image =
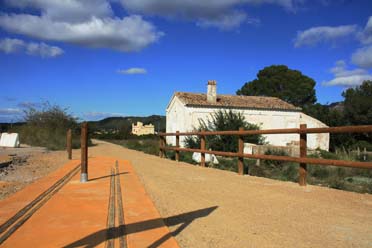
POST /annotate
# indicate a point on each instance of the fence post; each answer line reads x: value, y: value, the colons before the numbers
x: 164, y: 142
x: 240, y: 152
x: 160, y: 146
x: 303, y: 153
x: 69, y: 144
x: 84, y: 152
x: 202, y: 147
x: 178, y: 146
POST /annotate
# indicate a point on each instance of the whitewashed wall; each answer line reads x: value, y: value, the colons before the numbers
x: 319, y: 140
x: 186, y: 119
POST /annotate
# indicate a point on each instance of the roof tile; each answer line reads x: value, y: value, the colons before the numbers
x: 255, y: 102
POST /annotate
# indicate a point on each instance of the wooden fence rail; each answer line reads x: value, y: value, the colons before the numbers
x: 303, y: 160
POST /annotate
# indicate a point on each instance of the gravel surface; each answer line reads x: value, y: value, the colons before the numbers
x: 222, y: 209
x: 27, y: 165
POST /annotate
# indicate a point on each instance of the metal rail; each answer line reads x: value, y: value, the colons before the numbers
x: 17, y: 220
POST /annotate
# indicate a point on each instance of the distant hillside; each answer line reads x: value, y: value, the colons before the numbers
x: 110, y: 124
x: 119, y: 123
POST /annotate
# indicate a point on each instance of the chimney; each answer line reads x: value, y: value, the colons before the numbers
x: 212, y: 91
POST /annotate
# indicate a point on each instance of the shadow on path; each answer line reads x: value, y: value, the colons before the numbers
x: 185, y: 219
x: 117, y: 174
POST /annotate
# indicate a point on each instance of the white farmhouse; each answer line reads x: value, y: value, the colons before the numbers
x: 185, y: 110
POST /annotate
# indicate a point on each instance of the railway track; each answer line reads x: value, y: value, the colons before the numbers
x: 17, y: 220
x: 115, y: 233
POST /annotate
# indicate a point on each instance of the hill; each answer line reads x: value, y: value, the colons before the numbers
x: 117, y: 123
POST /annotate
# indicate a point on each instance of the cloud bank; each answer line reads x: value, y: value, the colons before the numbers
x: 347, y: 78
x: 366, y: 35
x: 43, y: 50
x: 93, y: 23
x: 363, y: 57
x: 129, y: 34
x: 316, y: 35
x: 69, y: 11
x: 10, y: 114
x: 222, y: 14
x: 89, y: 23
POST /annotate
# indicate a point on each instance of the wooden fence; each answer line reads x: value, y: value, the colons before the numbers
x: 303, y: 160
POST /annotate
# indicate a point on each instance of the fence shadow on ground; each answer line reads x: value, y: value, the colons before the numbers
x: 108, y: 176
x: 185, y: 219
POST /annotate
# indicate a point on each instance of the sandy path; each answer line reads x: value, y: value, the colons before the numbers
x: 222, y: 209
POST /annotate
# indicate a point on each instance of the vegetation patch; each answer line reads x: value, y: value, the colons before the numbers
x: 47, y: 126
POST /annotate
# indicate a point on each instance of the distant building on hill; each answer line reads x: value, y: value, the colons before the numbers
x: 186, y: 109
x: 141, y: 129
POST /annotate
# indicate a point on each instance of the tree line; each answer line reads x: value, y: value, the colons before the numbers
x: 298, y: 89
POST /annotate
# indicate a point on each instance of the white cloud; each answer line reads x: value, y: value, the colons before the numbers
x: 88, y: 23
x: 11, y: 45
x: 366, y: 35
x: 363, y: 57
x: 10, y: 114
x: 43, y: 50
x: 131, y: 33
x: 10, y: 111
x: 27, y: 105
x: 224, y: 22
x: 196, y: 8
x: 133, y: 70
x: 317, y: 35
x: 8, y: 45
x: 347, y: 78
x: 69, y: 10
x: 223, y: 14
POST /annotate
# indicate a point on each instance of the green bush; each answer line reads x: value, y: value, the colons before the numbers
x: 224, y: 121
x: 289, y: 172
x: 275, y: 152
x: 361, y: 144
x: 47, y: 127
x: 147, y: 146
x: 327, y: 155
x: 319, y: 171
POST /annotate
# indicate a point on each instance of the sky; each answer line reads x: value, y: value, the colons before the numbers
x: 102, y: 58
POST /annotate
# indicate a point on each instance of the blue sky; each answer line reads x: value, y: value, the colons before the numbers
x: 105, y: 58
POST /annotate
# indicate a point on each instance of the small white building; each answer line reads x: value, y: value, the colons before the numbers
x: 186, y: 109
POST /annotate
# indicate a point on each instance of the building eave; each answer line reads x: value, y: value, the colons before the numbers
x: 242, y: 107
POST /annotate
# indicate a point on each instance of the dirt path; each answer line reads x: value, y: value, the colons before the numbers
x: 29, y: 164
x: 221, y: 209
x: 67, y: 213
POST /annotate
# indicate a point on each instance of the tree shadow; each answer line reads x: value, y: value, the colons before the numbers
x: 101, y: 236
x: 117, y: 174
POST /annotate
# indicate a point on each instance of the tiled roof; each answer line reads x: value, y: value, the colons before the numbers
x: 226, y: 101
